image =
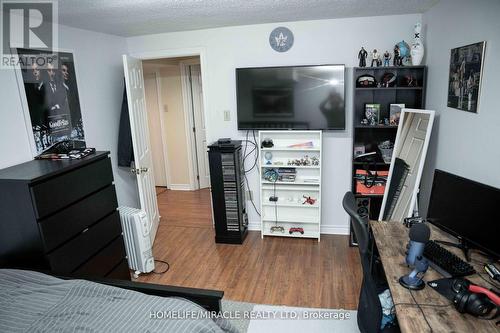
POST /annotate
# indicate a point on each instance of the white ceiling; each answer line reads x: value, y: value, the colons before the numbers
x: 138, y: 17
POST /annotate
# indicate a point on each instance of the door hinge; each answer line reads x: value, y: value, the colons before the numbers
x: 198, y: 177
x: 194, y: 129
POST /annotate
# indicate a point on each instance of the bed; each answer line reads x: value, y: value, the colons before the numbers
x: 33, y: 301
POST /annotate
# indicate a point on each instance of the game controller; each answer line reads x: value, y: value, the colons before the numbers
x: 277, y: 228
x: 292, y: 230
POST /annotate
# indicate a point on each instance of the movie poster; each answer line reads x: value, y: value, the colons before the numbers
x: 464, y: 83
x: 52, y: 97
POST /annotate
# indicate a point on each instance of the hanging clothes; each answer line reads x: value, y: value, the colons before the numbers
x: 125, y: 146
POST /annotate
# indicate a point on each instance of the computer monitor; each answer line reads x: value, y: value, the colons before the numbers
x: 467, y: 210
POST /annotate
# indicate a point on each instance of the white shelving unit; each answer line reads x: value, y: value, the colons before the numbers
x: 290, y: 211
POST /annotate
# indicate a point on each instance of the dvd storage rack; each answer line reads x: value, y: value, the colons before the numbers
x: 290, y: 174
x: 228, y: 192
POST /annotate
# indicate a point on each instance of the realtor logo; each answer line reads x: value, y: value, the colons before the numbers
x: 28, y: 25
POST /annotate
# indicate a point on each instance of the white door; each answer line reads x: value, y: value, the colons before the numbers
x: 134, y: 82
x: 413, y: 138
x: 155, y: 129
x: 200, y: 133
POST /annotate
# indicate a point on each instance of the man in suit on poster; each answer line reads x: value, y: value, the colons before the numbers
x: 69, y: 84
x: 58, y: 113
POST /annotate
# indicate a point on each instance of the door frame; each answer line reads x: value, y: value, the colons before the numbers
x: 186, y: 52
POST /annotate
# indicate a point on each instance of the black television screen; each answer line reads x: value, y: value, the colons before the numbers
x: 465, y: 209
x: 300, y: 97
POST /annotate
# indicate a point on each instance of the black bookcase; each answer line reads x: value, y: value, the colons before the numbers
x: 228, y: 192
x: 369, y: 136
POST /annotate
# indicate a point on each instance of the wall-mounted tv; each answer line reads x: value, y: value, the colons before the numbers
x: 298, y: 97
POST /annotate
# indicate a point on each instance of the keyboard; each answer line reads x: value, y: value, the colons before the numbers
x: 445, y: 262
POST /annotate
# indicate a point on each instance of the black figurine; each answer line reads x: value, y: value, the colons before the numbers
x: 362, y: 57
x: 397, y: 60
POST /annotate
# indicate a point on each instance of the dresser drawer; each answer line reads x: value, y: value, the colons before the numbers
x: 61, y: 191
x: 69, y: 222
x: 103, y: 262
x: 74, y: 253
x: 120, y: 272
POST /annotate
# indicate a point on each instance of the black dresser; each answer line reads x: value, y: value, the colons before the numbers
x: 60, y: 216
x: 227, y: 180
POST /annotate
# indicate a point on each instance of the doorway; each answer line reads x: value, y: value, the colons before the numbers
x: 177, y: 131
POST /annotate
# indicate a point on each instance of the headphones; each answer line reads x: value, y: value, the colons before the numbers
x: 473, y: 299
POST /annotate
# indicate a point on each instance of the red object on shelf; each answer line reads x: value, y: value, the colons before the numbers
x: 377, y: 189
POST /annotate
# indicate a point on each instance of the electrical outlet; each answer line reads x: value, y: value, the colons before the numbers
x: 249, y: 195
x: 227, y: 115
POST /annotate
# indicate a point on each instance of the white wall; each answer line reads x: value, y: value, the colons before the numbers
x: 100, y: 83
x: 463, y: 143
x: 316, y: 42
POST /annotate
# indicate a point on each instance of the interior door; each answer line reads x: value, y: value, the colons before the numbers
x: 413, y: 141
x: 200, y: 127
x: 134, y: 82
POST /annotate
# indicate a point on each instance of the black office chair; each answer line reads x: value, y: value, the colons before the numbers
x: 369, y: 308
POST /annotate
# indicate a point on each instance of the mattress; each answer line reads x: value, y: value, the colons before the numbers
x: 35, y: 302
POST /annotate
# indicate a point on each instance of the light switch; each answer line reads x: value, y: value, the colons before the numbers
x: 227, y: 115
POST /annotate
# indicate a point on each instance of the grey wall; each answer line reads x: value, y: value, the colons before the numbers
x: 334, y: 41
x: 463, y: 143
x: 100, y: 83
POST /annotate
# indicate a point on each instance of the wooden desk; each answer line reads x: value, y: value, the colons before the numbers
x: 391, y: 239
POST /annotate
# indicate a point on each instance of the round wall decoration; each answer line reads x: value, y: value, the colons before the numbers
x: 281, y: 39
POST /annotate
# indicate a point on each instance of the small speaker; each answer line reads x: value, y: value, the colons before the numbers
x: 363, y: 205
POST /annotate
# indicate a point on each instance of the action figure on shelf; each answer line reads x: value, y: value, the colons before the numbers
x: 376, y: 58
x: 387, y: 58
x: 397, y: 61
x: 362, y: 54
x: 309, y: 200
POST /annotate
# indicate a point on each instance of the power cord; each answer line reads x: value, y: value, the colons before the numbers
x: 421, y: 310
x: 245, y: 156
x: 275, y: 203
x: 163, y: 262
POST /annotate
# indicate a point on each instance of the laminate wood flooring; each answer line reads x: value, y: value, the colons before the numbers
x: 273, y: 270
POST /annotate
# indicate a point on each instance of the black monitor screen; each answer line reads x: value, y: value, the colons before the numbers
x: 302, y: 97
x: 466, y: 209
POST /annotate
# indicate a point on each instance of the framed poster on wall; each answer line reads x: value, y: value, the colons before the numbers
x: 52, y: 105
x: 466, y: 71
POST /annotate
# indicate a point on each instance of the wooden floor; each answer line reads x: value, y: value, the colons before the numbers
x: 273, y: 270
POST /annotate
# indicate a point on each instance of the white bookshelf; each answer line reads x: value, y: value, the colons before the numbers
x: 289, y: 211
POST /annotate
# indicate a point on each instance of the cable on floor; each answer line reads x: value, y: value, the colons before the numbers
x: 163, y: 262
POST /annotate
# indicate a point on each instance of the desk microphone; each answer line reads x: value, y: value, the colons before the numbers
x: 419, y: 236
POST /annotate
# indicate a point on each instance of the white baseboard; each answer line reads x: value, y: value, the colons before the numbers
x: 254, y: 226
x: 325, y: 229
x: 181, y: 187
x: 334, y: 230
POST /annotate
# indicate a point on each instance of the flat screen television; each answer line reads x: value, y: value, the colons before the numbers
x: 298, y: 97
x: 466, y: 209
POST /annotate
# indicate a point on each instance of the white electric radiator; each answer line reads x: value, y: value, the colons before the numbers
x: 137, y: 240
